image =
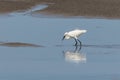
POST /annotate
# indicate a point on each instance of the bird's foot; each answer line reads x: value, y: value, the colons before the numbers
x: 75, y: 45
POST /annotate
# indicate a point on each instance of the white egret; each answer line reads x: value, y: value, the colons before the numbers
x: 74, y: 34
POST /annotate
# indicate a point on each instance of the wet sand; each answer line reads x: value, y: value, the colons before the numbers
x: 10, y: 6
x: 19, y: 44
x: 87, y: 8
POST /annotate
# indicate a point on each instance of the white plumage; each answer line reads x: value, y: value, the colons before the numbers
x: 74, y: 34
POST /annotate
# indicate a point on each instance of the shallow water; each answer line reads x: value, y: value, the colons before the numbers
x: 58, y: 60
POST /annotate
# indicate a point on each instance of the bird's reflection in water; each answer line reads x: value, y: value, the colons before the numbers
x: 75, y: 56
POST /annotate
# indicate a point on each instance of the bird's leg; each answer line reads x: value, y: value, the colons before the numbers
x: 80, y: 43
x: 75, y: 42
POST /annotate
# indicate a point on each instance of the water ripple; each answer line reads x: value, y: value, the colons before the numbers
x: 115, y: 46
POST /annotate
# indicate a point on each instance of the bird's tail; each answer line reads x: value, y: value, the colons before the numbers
x: 84, y: 31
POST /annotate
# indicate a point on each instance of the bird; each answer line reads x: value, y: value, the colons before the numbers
x: 74, y: 34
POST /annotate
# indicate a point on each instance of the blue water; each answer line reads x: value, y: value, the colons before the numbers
x: 100, y: 50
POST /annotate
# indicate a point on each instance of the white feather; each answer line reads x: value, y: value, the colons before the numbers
x: 74, y: 33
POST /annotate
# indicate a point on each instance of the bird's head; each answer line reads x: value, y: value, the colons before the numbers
x: 65, y: 36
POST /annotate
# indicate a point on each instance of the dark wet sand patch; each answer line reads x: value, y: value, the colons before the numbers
x: 87, y: 8
x: 9, y: 6
x: 19, y: 44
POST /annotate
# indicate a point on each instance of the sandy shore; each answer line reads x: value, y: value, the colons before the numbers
x: 87, y: 8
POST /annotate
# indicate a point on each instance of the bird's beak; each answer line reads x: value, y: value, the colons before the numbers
x: 63, y: 38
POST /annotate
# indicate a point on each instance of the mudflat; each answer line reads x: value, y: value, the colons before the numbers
x: 88, y: 8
